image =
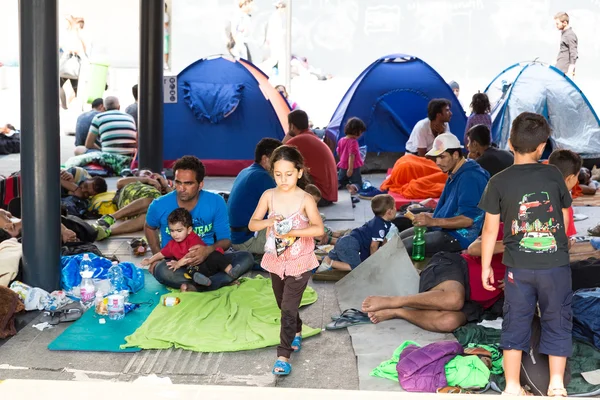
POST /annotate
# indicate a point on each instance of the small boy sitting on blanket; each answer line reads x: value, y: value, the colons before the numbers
x: 351, y: 250
x: 181, y: 230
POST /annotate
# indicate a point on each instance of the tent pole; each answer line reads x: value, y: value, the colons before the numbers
x: 150, y: 118
x: 40, y: 142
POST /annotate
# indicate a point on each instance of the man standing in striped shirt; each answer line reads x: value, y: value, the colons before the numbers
x: 114, y: 130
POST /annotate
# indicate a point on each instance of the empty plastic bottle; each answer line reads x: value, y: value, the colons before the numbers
x: 418, y: 250
x: 115, y: 276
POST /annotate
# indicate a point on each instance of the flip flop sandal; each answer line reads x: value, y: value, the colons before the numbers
x: 355, y: 200
x: 285, y: 368
x: 297, y: 342
x: 557, y: 392
x: 453, y: 390
x: 68, y: 313
x: 522, y: 392
x: 345, y: 322
x: 351, y: 312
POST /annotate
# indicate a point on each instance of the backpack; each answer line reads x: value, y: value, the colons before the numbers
x: 535, y: 368
x: 10, y: 187
x: 84, y: 231
x: 584, y: 274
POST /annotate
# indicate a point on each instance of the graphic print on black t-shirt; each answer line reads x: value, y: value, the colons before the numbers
x: 536, y: 223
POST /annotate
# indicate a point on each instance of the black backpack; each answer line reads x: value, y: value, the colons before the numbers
x: 535, y: 368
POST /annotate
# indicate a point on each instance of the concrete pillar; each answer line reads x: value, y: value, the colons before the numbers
x: 150, y: 108
x: 40, y: 142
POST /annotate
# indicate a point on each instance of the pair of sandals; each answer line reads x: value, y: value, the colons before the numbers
x: 283, y: 368
x: 349, y: 317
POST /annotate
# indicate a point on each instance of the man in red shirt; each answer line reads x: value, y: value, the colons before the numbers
x: 451, y: 292
x: 317, y: 156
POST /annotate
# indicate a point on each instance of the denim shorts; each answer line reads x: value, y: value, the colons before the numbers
x: 355, y: 178
x: 347, y: 250
x: 524, y: 289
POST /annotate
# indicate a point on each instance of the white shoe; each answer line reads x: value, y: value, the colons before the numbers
x: 324, y: 267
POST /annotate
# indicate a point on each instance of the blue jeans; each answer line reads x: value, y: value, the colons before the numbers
x: 175, y: 279
x: 355, y: 178
x: 347, y: 250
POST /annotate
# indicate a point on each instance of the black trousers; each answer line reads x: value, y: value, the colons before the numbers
x: 214, y: 263
x: 288, y: 293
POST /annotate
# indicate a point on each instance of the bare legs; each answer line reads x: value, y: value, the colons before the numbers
x: 437, y: 310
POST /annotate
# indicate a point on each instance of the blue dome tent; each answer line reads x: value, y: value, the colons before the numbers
x: 224, y: 108
x: 542, y: 88
x: 391, y: 96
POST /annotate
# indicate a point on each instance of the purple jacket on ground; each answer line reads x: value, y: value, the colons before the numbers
x: 422, y: 369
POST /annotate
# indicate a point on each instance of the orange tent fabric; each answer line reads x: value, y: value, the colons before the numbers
x: 415, y: 178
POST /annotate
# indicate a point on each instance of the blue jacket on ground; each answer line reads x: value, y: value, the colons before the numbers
x: 247, y: 188
x: 461, y: 196
x: 209, y: 217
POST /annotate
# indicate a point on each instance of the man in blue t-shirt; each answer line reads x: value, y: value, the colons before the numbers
x: 247, y: 189
x: 457, y: 219
x: 210, y: 222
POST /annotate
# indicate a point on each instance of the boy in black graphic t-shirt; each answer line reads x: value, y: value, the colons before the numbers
x: 532, y: 200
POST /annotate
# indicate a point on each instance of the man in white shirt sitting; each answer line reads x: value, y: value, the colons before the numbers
x: 426, y: 130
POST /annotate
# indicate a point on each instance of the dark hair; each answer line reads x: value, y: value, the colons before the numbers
x: 134, y: 90
x: 180, y: 215
x: 381, y: 203
x: 265, y: 148
x: 480, y: 134
x: 191, y: 163
x: 11, y: 127
x: 299, y: 119
x: 481, y: 103
x: 98, y: 102
x: 291, y: 154
x: 436, y: 106
x: 567, y: 162
x: 452, y: 151
x: 313, y: 190
x: 99, y: 184
x: 562, y: 17
x: 4, y: 235
x: 528, y: 131
x: 581, y: 176
x: 354, y: 127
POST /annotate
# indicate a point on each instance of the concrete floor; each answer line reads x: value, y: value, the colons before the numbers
x: 327, y: 361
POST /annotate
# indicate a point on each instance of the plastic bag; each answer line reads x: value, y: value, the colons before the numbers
x: 70, y: 278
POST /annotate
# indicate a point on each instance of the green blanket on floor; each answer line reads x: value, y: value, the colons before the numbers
x: 585, y: 356
x: 232, y: 318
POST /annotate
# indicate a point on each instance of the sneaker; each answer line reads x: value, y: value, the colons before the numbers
x: 106, y: 221
x: 324, y: 267
x: 103, y: 232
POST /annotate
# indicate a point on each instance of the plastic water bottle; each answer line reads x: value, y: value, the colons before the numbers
x: 115, y: 275
x: 418, y: 250
x: 87, y: 290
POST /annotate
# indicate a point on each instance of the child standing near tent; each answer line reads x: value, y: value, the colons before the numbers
x: 350, y: 160
x: 293, y: 222
x: 480, y: 104
x: 533, y: 201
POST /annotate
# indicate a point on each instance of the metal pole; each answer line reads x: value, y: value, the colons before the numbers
x: 288, y: 46
x: 40, y: 142
x: 150, y: 117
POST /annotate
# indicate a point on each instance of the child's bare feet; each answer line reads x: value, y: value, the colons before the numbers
x: 352, y: 188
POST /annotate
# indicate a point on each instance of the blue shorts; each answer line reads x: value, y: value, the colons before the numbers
x: 347, y: 250
x: 355, y: 178
x: 524, y: 289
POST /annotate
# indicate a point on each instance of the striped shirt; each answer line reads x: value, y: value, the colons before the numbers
x: 116, y: 131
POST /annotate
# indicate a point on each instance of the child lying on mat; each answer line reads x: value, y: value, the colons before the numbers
x: 351, y: 250
x: 330, y: 236
x: 588, y: 185
x: 180, y: 228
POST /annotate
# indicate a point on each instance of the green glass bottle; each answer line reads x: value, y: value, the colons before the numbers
x: 418, y: 250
